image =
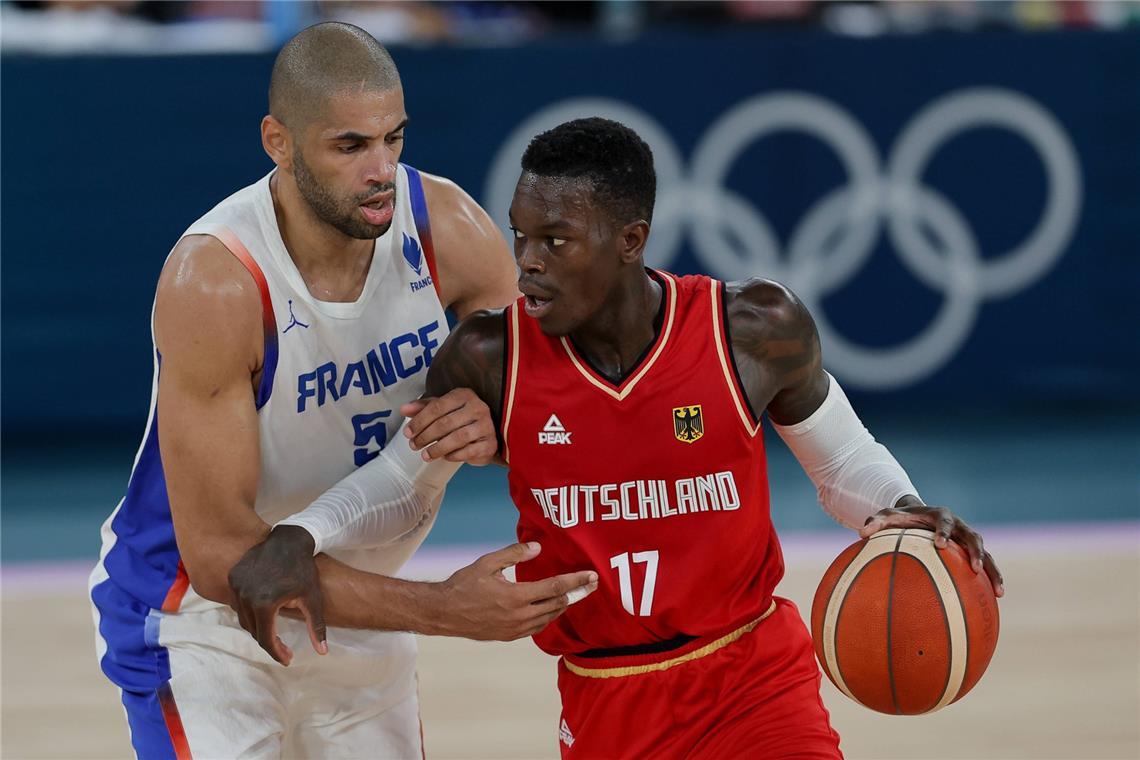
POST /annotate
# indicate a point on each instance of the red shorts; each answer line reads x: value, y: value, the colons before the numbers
x: 755, y: 697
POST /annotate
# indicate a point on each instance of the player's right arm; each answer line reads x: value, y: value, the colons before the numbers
x: 777, y: 351
x: 207, y: 330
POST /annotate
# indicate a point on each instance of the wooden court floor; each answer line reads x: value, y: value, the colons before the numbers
x: 1064, y: 683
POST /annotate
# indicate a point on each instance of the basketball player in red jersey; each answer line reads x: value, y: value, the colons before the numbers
x: 628, y: 402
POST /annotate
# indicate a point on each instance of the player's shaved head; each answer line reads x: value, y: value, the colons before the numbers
x: 324, y: 60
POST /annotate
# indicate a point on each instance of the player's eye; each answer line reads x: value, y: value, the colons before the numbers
x: 517, y: 233
x: 395, y: 138
x: 555, y: 242
x: 350, y: 148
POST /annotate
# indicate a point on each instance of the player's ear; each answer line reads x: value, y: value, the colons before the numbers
x: 276, y: 140
x: 632, y: 239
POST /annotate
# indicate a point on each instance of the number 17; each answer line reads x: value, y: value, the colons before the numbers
x: 620, y: 562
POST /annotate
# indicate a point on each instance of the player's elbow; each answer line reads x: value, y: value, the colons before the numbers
x: 209, y: 581
x: 209, y: 569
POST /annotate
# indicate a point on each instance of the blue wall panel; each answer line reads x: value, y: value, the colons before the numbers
x: 105, y: 162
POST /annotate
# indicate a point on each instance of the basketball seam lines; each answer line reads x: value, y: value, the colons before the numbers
x: 965, y: 626
x: 839, y: 616
x: 890, y: 610
x: 946, y: 620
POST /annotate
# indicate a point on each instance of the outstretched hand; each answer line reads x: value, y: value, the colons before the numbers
x: 946, y: 526
x: 480, y: 603
x: 279, y: 574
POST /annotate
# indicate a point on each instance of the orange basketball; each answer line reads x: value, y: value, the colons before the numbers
x: 902, y: 627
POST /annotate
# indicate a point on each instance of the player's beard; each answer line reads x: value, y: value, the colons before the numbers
x: 329, y: 209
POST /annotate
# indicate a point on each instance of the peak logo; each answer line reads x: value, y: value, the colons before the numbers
x: 554, y: 432
x: 564, y: 734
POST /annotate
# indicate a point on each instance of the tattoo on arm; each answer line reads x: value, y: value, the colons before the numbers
x: 776, y: 347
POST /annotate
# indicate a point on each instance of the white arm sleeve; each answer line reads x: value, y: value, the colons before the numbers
x: 854, y: 475
x: 378, y: 502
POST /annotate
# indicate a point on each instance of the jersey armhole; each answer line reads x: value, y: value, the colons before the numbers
x: 723, y: 340
x: 269, y: 322
x: 510, y: 373
x: 423, y: 224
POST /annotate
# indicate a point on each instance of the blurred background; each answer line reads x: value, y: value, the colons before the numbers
x: 952, y: 187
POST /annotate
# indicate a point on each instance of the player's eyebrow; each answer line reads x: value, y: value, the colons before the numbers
x: 558, y: 224
x: 359, y: 137
x: 353, y: 136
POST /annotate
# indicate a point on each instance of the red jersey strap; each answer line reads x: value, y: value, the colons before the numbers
x: 728, y: 366
x: 510, y: 374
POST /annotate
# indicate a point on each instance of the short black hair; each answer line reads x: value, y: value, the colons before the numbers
x: 614, y: 159
x: 323, y: 60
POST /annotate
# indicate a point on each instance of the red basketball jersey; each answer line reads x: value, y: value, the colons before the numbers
x: 658, y: 483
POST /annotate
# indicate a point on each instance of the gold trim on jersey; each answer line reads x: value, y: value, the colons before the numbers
x: 513, y: 311
x: 653, y: 667
x: 721, y: 351
x: 627, y: 387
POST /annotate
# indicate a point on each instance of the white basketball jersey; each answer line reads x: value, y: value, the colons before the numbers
x: 334, y: 377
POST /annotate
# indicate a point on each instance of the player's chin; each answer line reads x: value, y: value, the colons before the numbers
x: 366, y: 231
x: 552, y: 325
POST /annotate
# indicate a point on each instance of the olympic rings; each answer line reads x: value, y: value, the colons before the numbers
x: 837, y: 235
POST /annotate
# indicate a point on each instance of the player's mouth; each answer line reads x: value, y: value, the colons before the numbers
x: 379, y: 209
x: 536, y: 306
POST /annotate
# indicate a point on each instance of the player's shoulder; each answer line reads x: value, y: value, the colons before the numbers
x: 481, y: 333
x: 472, y: 356
x: 763, y: 308
x: 201, y: 267
x: 445, y: 196
x: 205, y: 290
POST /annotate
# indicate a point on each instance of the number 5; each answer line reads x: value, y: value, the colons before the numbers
x: 620, y: 562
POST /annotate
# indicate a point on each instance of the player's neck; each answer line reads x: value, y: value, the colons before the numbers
x: 320, y: 252
x: 620, y: 332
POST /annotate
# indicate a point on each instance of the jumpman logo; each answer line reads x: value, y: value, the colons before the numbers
x: 294, y: 322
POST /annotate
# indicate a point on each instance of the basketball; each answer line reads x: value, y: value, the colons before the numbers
x: 902, y: 627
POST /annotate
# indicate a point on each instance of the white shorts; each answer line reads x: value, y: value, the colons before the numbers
x: 226, y: 698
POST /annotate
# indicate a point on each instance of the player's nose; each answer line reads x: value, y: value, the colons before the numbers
x: 528, y: 258
x: 381, y: 171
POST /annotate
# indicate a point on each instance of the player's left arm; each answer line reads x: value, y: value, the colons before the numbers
x: 860, y: 484
x: 476, y: 270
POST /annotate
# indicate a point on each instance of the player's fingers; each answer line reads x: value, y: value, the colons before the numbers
x: 891, y: 518
x: 944, y: 527
x: 888, y: 517
x: 559, y: 585
x: 312, y: 609
x: 432, y: 412
x: 975, y: 548
x: 411, y: 409
x: 478, y: 452
x: 451, y: 437
x: 562, y: 602
x: 455, y: 429
x: 994, y: 574
x: 508, y: 556
x: 537, y: 625
x: 266, y: 623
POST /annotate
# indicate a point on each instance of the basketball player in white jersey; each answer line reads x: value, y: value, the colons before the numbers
x: 293, y: 325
